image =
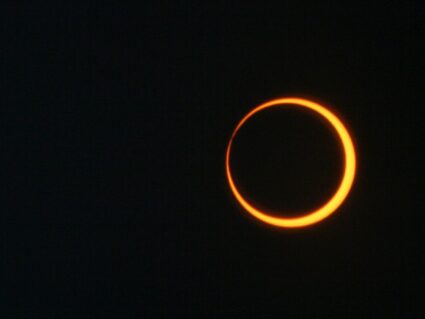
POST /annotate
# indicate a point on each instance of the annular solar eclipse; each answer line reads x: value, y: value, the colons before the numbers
x: 345, y: 184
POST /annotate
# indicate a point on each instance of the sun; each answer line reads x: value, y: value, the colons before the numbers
x: 340, y: 194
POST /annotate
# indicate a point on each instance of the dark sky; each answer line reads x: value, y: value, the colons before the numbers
x: 116, y: 119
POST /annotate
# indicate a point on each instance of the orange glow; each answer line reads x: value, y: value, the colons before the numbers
x: 346, y: 182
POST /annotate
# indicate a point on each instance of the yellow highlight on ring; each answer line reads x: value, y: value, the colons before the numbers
x: 347, y: 179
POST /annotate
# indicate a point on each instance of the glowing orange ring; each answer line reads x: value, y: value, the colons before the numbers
x: 347, y: 180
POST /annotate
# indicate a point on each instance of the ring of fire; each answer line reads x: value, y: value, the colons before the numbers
x: 344, y: 187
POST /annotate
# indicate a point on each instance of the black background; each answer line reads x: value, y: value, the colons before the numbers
x: 116, y: 122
